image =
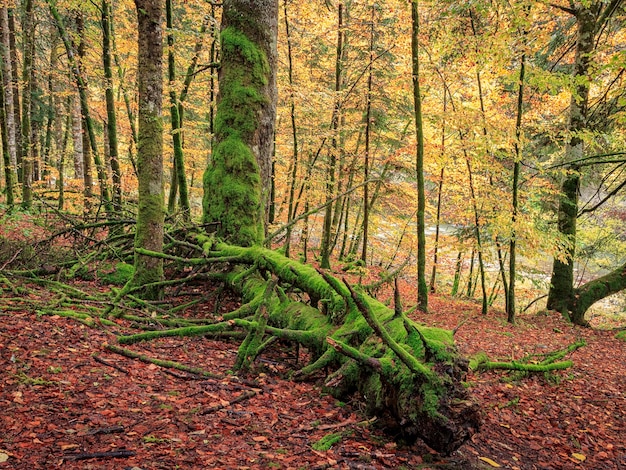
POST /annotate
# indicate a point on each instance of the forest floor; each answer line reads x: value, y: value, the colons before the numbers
x: 68, y: 402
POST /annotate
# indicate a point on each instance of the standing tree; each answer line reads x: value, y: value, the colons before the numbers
x: 151, y: 210
x: 591, y: 19
x: 422, y: 289
x: 237, y: 180
x: 27, y: 79
x: 110, y: 103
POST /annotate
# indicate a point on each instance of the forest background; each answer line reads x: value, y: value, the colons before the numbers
x: 345, y: 130
x: 345, y: 118
x: 505, y: 120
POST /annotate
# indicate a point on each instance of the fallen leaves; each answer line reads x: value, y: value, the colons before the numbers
x: 274, y: 422
x: 490, y: 462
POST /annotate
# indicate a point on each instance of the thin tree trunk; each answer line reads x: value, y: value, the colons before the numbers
x: 325, y: 249
x: 179, y: 179
x: 510, y: 293
x: 129, y: 109
x: 457, y: 274
x: 439, y: 195
x: 51, y: 115
x: 481, y: 264
x: 422, y: 289
x: 17, y: 114
x: 77, y: 137
x: 62, y: 152
x: 294, y: 134
x: 7, y: 84
x: 366, y: 163
x: 111, y: 124
x: 87, y: 168
x: 470, y: 276
x: 27, y: 80
x: 6, y: 155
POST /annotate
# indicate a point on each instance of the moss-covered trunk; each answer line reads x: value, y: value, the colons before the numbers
x: 408, y: 375
x: 591, y: 292
x: 151, y: 211
x: 237, y: 180
x: 561, y: 291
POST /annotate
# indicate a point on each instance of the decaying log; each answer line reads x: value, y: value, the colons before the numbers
x: 409, y: 375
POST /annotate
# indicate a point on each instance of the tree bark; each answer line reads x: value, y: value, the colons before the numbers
x: 422, y: 289
x: 27, y: 95
x: 17, y: 114
x: 116, y: 173
x: 7, y: 84
x: 8, y: 122
x: 510, y: 292
x: 179, y: 178
x: 294, y: 134
x: 83, y: 89
x: 326, y: 248
x: 237, y: 180
x: 151, y: 211
x: 561, y: 294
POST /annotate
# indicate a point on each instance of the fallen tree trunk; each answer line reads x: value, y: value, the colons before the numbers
x: 409, y: 375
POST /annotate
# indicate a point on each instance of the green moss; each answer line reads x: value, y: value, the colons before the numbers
x: 326, y: 442
x: 621, y: 335
x: 184, y: 331
x: 478, y: 359
x: 121, y: 275
x: 232, y: 183
x: 430, y: 395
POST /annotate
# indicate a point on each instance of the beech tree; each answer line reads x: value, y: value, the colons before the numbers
x: 237, y: 180
x: 151, y: 210
x: 591, y: 19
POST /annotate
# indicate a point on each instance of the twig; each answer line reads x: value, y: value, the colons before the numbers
x: 101, y: 455
x: 244, y: 396
x: 107, y: 363
x: 108, y: 430
x: 159, y: 362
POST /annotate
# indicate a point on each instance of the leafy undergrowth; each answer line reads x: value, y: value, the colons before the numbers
x: 64, y: 395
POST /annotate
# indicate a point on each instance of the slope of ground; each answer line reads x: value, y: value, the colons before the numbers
x: 63, y: 397
x: 68, y: 402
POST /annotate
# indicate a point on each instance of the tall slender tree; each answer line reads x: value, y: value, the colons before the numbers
x: 326, y: 244
x: 27, y: 80
x: 111, y: 122
x: 422, y: 288
x: 179, y: 178
x: 151, y: 210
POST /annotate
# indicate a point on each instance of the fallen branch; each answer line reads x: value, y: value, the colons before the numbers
x: 244, y: 396
x: 160, y: 362
x: 107, y: 363
x: 520, y: 366
x: 482, y: 362
x: 101, y: 455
